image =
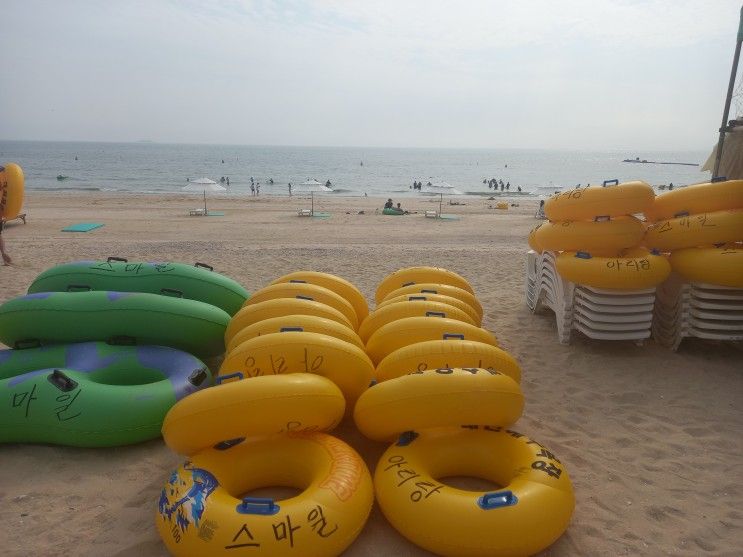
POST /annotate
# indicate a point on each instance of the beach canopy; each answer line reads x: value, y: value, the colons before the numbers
x: 731, y: 163
x: 203, y: 185
x: 441, y: 187
x: 312, y: 186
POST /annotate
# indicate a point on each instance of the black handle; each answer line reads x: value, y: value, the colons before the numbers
x: 613, y: 182
x: 291, y: 329
x: 300, y: 297
x: 25, y: 343
x: 229, y: 443
x: 719, y: 179
x: 435, y: 314
x: 413, y: 298
x: 297, y: 280
x: 122, y: 259
x: 61, y: 381
x: 78, y: 287
x: 198, y: 376
x: 173, y: 291
x: 203, y: 266
x: 453, y: 335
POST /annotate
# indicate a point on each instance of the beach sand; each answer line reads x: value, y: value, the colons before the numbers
x: 653, y: 440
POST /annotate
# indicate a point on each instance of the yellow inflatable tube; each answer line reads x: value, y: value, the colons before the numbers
x: 525, y: 516
x: 308, y: 323
x: 410, y: 330
x: 331, y: 282
x: 695, y: 230
x: 617, y: 233
x: 637, y: 269
x: 343, y: 363
x: 433, y: 354
x: 435, y: 398
x: 264, y: 405
x: 532, y: 239
x: 11, y: 191
x: 202, y: 509
x: 307, y: 292
x: 450, y: 300
x: 280, y: 307
x: 722, y: 266
x: 417, y: 308
x: 597, y: 201
x: 699, y: 198
x: 413, y: 275
x: 443, y: 289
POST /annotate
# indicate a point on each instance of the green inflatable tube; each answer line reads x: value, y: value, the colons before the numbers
x: 116, y: 317
x: 95, y: 395
x: 193, y: 282
x: 394, y: 212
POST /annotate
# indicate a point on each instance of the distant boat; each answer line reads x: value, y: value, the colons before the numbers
x: 637, y: 160
x: 60, y: 177
x: 440, y: 187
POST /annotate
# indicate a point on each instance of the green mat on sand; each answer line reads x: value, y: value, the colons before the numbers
x: 82, y: 227
x: 449, y: 217
x: 215, y: 214
x: 319, y: 215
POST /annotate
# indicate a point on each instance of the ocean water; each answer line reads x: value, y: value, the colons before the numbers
x: 353, y: 171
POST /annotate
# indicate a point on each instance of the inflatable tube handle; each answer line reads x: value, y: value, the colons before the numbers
x: 228, y: 443
x: 435, y: 314
x: 122, y: 259
x: 197, y: 376
x: 719, y: 179
x: 122, y: 340
x: 222, y: 378
x: 681, y: 214
x: 406, y: 437
x: 414, y: 298
x: 80, y: 287
x: 614, y: 182
x: 408, y: 283
x: 61, y: 381
x: 257, y: 505
x: 169, y: 291
x: 203, y: 266
x: 300, y: 297
x: 582, y: 255
x: 497, y: 500
x: 458, y: 336
x: 427, y: 291
x: 295, y: 281
x: 602, y: 218
x: 291, y: 329
x: 25, y: 343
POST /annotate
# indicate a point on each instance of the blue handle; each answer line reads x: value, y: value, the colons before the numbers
x: 285, y: 329
x: 497, y: 500
x: 719, y: 179
x: 223, y: 378
x: 300, y: 297
x: 582, y: 255
x: 257, y: 505
x: 435, y: 314
x: 613, y: 182
x: 406, y: 438
x: 453, y: 335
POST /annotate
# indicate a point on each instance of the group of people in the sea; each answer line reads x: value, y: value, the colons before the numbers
x: 418, y: 185
x: 493, y: 184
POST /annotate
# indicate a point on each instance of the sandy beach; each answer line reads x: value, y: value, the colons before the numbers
x: 653, y: 440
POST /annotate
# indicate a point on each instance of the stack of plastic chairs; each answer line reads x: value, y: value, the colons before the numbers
x: 587, y: 266
x: 702, y: 227
x: 699, y: 310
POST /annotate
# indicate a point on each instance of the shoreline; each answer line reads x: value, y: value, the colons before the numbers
x: 649, y: 437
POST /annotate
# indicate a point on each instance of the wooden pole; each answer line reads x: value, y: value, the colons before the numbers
x: 726, y: 111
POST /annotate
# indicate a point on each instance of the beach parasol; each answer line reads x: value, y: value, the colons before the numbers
x: 205, y: 185
x: 312, y: 186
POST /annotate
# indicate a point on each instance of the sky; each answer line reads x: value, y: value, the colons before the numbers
x: 568, y: 74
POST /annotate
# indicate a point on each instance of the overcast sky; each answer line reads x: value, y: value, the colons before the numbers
x: 598, y: 74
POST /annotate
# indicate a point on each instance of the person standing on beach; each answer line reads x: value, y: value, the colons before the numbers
x: 290, y: 189
x: 252, y: 189
x: 6, y: 258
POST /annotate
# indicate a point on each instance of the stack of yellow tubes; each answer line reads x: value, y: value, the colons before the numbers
x: 449, y: 393
x: 294, y: 364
